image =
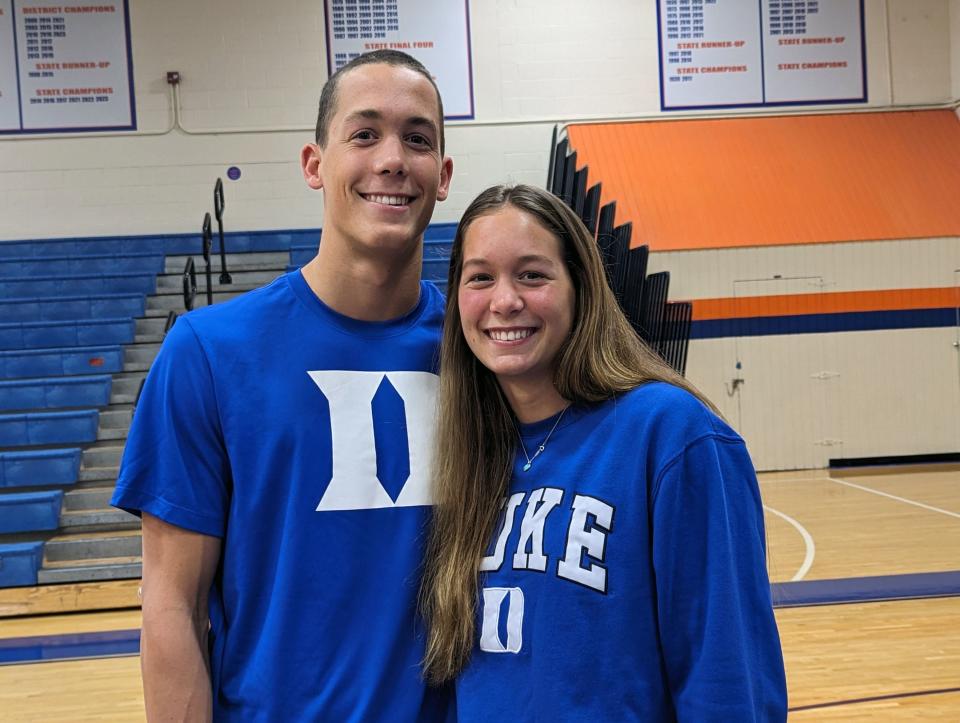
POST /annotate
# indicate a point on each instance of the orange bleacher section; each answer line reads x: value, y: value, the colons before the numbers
x: 740, y: 182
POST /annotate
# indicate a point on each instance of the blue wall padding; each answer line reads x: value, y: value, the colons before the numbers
x: 55, y: 362
x: 445, y: 231
x: 300, y: 256
x: 30, y: 511
x: 56, y: 392
x: 39, y: 467
x: 78, y: 285
x: 435, y: 269
x: 436, y: 257
x: 824, y: 323
x: 34, y: 428
x: 185, y: 243
x: 242, y: 242
x: 56, y: 265
x: 71, y: 308
x: 50, y: 334
x: 106, y: 306
x: 19, y: 563
x: 36, y: 648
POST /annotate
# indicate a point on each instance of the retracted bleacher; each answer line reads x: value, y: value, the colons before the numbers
x: 664, y: 325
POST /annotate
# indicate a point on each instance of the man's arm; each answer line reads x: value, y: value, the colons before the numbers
x: 178, y: 569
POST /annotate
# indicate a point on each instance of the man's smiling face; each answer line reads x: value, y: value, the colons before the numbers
x: 381, y: 170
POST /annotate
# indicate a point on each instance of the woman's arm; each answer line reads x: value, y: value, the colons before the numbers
x: 718, y: 635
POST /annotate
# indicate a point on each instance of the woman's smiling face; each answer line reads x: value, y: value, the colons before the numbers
x: 516, y: 297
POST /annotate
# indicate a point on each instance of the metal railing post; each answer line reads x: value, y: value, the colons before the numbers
x: 218, y: 206
x: 207, y: 245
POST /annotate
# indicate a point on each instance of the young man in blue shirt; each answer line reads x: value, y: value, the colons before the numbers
x: 280, y: 452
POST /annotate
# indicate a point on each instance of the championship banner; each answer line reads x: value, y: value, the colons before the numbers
x: 435, y: 32
x: 742, y: 53
x: 65, y: 67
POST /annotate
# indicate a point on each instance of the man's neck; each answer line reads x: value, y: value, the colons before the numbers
x: 365, y: 288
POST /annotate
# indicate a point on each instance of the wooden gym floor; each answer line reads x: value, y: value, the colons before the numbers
x: 890, y: 660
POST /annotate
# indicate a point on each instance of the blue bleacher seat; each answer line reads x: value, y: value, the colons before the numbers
x: 23, y: 429
x: 55, y: 392
x: 53, y: 334
x: 39, y: 467
x: 442, y: 230
x: 19, y: 563
x: 69, y: 265
x: 22, y: 363
x: 47, y: 248
x: 30, y: 511
x: 77, y: 285
x: 63, y: 308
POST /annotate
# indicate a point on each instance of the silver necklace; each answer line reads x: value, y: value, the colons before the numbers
x: 542, y: 444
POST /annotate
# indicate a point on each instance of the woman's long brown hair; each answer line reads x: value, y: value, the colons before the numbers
x: 476, y: 438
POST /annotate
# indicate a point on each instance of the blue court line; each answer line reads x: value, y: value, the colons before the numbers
x: 785, y: 594
x: 65, y: 647
x: 874, y: 698
x: 866, y: 589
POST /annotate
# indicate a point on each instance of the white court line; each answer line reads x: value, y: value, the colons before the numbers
x: 894, y: 497
x: 763, y: 481
x: 807, y: 541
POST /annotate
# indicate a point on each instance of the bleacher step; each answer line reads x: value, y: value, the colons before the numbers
x: 126, y: 383
x: 116, y: 417
x: 87, y: 498
x: 147, y: 338
x: 99, y: 474
x: 100, y: 570
x: 92, y: 545
x: 252, y: 277
x: 98, y: 518
x: 101, y: 456
x: 141, y: 353
x: 111, y: 435
x: 150, y: 325
x: 130, y: 559
x: 174, y: 301
x: 235, y: 262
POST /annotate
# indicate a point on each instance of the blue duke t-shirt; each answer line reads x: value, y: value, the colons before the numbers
x: 302, y: 438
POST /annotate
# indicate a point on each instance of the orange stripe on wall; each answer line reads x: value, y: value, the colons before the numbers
x: 829, y: 303
x: 691, y: 184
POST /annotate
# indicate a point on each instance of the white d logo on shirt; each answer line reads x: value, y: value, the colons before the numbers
x: 354, y: 484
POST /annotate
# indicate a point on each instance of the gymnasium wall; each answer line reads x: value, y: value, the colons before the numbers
x: 251, y: 76
x: 892, y: 388
x: 955, y: 48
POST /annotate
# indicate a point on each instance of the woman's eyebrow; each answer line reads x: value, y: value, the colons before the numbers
x: 525, y: 259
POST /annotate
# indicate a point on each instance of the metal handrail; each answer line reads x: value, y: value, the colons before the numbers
x: 218, y: 206
x: 189, y: 284
x: 207, y: 245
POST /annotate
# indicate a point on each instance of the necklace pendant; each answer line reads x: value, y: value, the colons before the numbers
x: 527, y: 466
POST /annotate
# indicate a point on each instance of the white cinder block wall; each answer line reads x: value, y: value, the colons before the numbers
x: 258, y: 67
x: 955, y: 48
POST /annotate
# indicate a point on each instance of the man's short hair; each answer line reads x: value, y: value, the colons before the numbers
x: 328, y: 97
